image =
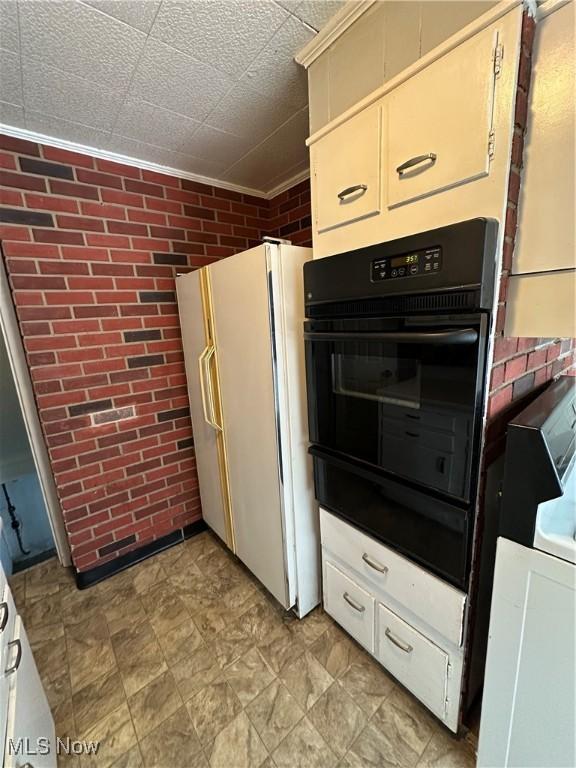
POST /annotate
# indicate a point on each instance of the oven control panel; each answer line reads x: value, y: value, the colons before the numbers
x: 427, y: 261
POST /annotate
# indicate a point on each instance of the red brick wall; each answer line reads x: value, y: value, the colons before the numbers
x: 91, y: 249
x: 520, y: 365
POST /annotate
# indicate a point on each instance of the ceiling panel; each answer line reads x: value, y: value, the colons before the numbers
x: 9, y: 35
x: 227, y: 35
x: 274, y: 71
x: 61, y: 94
x: 79, y: 39
x: 178, y: 82
x: 207, y: 87
x: 136, y: 13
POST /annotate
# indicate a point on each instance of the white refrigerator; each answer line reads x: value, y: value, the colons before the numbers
x: 242, y: 332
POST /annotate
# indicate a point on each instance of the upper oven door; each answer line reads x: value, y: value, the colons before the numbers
x: 401, y: 394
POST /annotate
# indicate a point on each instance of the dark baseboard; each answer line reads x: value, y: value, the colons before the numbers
x: 88, y: 578
x: 28, y: 562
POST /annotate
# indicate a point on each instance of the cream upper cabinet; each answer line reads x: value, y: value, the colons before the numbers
x: 347, y: 167
x: 439, y: 122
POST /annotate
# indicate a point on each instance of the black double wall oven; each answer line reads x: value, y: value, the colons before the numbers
x: 396, y: 337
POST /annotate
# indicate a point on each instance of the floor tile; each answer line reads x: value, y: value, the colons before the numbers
x: 306, y: 679
x: 238, y: 745
x: 211, y: 562
x: 140, y: 669
x: 337, y: 719
x: 123, y: 609
x: 367, y: 683
x: 260, y: 621
x: 18, y: 586
x: 147, y: 574
x: 172, y: 743
x: 130, y: 759
x: 445, y: 751
x: 81, y: 606
x: 90, y: 652
x: 129, y: 642
x: 212, y: 619
x: 44, y: 612
x: 59, y: 694
x: 249, y: 675
x: 311, y: 627
x: 280, y: 648
x: 153, y: 704
x: 179, y: 641
x: 230, y: 644
x: 212, y: 708
x: 274, y: 713
x: 304, y: 748
x: 97, y: 699
x: 51, y: 658
x: 403, y: 714
x: 42, y: 580
x: 335, y: 651
x: 164, y: 609
x: 197, y: 670
x: 116, y: 735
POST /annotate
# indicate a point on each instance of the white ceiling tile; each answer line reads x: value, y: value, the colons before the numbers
x: 80, y: 39
x: 180, y: 160
x: 227, y: 35
x: 274, y: 72
x: 65, y: 129
x: 10, y: 77
x: 290, y: 5
x: 9, y: 35
x: 284, y: 149
x: 12, y: 114
x: 155, y: 125
x: 317, y: 12
x: 178, y: 82
x: 137, y: 13
x: 245, y: 112
x: 287, y: 174
x: 218, y: 145
x: 61, y: 94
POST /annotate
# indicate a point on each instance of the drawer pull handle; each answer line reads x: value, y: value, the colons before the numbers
x: 398, y: 643
x: 351, y: 190
x: 14, y: 667
x: 373, y: 564
x: 351, y: 602
x: 4, y: 619
x: 414, y: 161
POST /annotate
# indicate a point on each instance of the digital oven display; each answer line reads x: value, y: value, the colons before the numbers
x: 428, y: 261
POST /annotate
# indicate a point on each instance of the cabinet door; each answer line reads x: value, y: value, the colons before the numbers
x: 30, y: 723
x: 439, y: 122
x: 347, y: 168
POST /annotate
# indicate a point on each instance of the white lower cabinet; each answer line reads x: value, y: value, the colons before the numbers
x: 30, y: 734
x: 413, y: 660
x: 350, y: 605
x: 409, y: 620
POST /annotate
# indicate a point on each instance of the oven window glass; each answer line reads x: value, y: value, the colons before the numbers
x: 383, y: 379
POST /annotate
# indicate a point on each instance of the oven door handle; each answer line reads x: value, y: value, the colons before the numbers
x: 457, y: 336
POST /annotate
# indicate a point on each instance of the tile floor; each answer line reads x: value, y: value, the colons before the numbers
x: 184, y: 661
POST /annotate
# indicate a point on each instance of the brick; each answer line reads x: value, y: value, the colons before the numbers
x: 51, y: 203
x: 99, y: 179
x: 63, y: 267
x: 8, y: 232
x: 160, y: 178
x: 143, y: 188
x: 127, y: 228
x: 522, y: 386
x: 120, y: 169
x: 117, y: 545
x: 90, y: 407
x: 122, y: 198
x: 116, y: 414
x: 58, y: 236
x: 499, y: 401
x: 72, y: 189
x: 157, y: 296
x: 69, y: 297
x: 88, y: 311
x: 11, y: 197
x: 146, y: 335
x: 42, y: 168
x: 145, y: 361
x: 20, y: 146
x: 26, y: 217
x: 88, y: 253
x: 66, y: 156
x: 80, y: 222
x: 38, y: 282
x: 515, y: 367
x: 19, y: 181
x: 103, y: 210
x: 146, y: 217
x: 176, y: 413
x: 505, y: 347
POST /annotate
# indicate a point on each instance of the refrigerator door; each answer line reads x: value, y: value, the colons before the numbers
x: 200, y: 360
x: 240, y: 300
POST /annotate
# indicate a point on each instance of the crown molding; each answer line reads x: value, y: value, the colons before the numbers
x: 288, y: 184
x: 23, y: 133
x: 335, y: 27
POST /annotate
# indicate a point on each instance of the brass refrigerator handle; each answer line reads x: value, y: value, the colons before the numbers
x: 206, y: 384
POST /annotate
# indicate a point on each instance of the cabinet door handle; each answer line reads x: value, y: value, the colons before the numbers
x: 350, y: 191
x: 16, y: 664
x: 373, y: 564
x: 353, y: 604
x: 398, y: 643
x: 4, y: 620
x: 414, y: 161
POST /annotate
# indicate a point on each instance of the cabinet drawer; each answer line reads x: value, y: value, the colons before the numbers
x: 415, y: 661
x: 347, y: 171
x: 439, y: 122
x: 350, y: 605
x: 437, y: 603
x: 7, y: 620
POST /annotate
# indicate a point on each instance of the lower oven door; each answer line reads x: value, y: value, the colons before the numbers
x: 400, y: 394
x: 432, y: 532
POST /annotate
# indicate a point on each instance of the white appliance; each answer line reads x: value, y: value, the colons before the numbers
x: 26, y: 723
x: 529, y: 702
x: 242, y: 332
